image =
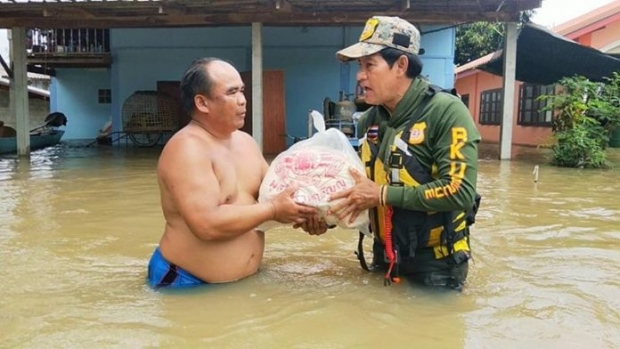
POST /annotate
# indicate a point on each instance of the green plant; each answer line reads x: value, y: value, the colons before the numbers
x: 586, y: 113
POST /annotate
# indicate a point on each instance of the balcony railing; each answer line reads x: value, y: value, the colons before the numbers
x: 68, y: 47
x: 69, y: 40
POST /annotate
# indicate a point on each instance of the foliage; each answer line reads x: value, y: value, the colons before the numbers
x: 474, y: 40
x: 477, y: 39
x: 586, y: 113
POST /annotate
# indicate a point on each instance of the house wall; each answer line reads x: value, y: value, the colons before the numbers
x: 141, y: 57
x: 610, y: 35
x: 38, y: 108
x: 4, y: 44
x: 606, y: 35
x: 75, y: 93
x: 307, y: 55
x: 478, y: 82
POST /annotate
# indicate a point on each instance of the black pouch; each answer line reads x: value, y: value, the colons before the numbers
x: 408, y: 232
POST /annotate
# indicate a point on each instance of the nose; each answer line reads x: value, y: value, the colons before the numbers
x: 241, y: 100
x: 361, y: 75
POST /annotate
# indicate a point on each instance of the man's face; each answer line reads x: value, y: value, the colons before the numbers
x: 378, y: 80
x: 227, y: 103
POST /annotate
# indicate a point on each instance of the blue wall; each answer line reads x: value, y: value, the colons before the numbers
x: 75, y: 92
x: 141, y: 57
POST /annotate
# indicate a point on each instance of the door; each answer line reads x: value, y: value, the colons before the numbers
x: 274, y: 134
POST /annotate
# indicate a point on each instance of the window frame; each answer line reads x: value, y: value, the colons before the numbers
x: 530, y: 113
x: 491, y: 107
x: 104, y: 96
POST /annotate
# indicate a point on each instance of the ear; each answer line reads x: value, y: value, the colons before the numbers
x: 402, y: 63
x: 200, y: 102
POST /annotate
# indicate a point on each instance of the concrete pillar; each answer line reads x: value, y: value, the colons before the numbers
x: 257, y: 83
x: 508, y: 97
x: 19, y: 90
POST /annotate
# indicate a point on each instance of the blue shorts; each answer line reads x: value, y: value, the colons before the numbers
x: 165, y: 274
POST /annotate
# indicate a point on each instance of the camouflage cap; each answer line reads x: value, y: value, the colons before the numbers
x: 381, y: 32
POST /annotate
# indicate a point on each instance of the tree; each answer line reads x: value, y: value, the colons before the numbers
x: 474, y: 40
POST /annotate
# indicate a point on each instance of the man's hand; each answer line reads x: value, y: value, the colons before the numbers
x: 313, y: 226
x: 363, y: 195
x: 286, y: 210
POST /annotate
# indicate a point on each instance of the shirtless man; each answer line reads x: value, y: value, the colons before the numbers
x: 209, y: 174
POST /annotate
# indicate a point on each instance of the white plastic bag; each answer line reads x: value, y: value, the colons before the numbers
x: 319, y: 166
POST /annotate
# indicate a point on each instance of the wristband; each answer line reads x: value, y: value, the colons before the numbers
x: 384, y: 195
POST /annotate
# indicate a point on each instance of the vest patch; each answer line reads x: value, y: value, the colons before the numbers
x: 373, y: 134
x: 416, y: 133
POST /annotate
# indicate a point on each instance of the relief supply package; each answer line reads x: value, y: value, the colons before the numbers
x: 318, y: 166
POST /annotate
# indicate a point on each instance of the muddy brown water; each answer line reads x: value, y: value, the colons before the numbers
x: 78, y: 225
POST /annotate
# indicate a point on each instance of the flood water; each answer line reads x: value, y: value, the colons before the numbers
x: 78, y: 225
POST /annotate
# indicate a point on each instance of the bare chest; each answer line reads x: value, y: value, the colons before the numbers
x: 239, y: 177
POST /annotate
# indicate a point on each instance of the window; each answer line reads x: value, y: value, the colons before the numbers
x: 491, y: 107
x: 105, y: 96
x: 465, y: 99
x: 530, y: 113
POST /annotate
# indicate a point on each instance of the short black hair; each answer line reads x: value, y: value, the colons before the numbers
x: 196, y: 80
x: 391, y: 54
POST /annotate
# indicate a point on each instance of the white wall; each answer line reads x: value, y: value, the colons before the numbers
x: 4, y: 44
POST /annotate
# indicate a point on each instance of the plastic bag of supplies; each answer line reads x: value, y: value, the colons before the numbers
x: 318, y: 166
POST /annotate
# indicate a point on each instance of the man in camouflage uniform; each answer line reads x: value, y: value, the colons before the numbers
x: 420, y: 150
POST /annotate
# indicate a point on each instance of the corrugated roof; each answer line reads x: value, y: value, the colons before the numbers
x: 36, y: 91
x: 4, y: 74
x: 167, y: 13
x: 475, y: 63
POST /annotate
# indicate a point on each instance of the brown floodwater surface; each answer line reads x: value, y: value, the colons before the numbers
x: 78, y: 225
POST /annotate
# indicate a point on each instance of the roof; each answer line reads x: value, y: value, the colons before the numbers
x: 33, y: 76
x: 475, y: 63
x: 544, y: 57
x: 571, y: 29
x: 590, y: 21
x: 168, y: 13
x: 31, y: 90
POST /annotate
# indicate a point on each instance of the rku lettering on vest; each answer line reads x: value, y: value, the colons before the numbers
x: 459, y: 137
x: 457, y: 168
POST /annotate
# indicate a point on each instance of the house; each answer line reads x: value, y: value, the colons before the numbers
x: 38, y: 101
x: 598, y: 29
x: 103, y: 62
x: 38, y: 94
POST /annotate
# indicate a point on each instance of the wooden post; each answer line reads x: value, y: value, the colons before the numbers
x: 508, y: 96
x: 257, y: 83
x: 19, y: 90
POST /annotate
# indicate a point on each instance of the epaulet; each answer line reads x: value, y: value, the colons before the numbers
x: 433, y: 89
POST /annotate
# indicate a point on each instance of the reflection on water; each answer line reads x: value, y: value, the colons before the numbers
x: 79, y: 224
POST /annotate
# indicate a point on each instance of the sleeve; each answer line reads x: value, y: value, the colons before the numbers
x: 453, y: 147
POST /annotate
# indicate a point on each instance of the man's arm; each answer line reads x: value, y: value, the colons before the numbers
x: 187, y: 172
x: 455, y: 152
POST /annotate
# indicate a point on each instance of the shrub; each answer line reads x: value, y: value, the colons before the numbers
x: 586, y: 113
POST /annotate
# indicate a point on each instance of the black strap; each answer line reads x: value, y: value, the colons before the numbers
x: 170, y: 276
x: 432, y: 90
x: 360, y: 252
